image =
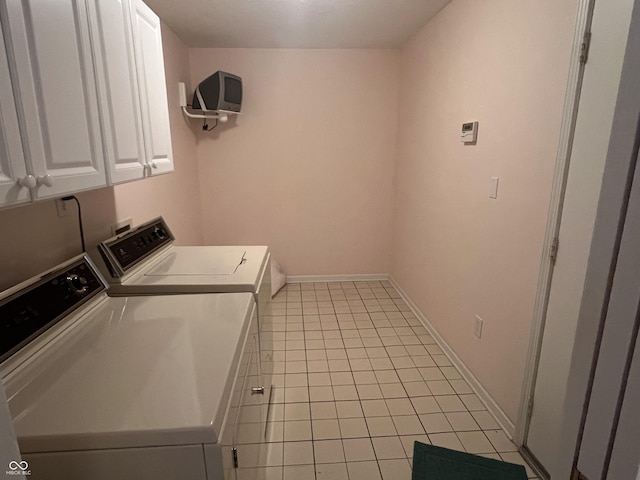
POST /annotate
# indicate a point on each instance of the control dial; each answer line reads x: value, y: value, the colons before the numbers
x: 77, y: 284
x: 159, y: 233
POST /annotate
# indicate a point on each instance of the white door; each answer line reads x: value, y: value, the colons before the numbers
x: 592, y: 131
x: 624, y: 454
x: 153, y: 89
x: 12, y: 162
x: 118, y: 90
x: 601, y: 430
x: 614, y: 398
x: 57, y: 92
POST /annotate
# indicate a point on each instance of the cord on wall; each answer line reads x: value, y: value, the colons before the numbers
x: 73, y: 197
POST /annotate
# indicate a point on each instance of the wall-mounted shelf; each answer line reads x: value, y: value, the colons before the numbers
x: 220, y: 115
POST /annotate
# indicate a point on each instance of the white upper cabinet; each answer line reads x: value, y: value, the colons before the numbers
x: 153, y: 90
x: 12, y: 162
x: 118, y: 90
x: 56, y: 90
x: 131, y: 89
x: 83, y: 99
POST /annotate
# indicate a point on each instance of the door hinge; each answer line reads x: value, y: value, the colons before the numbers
x: 553, y: 249
x: 584, y: 48
x: 530, y: 407
x: 234, y: 452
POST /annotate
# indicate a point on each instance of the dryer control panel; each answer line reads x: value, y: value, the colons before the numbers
x: 123, y: 252
x: 34, y: 309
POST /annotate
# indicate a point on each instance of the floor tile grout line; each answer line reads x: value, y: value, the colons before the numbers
x: 344, y: 453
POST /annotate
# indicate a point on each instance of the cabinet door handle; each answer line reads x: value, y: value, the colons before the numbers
x: 46, y: 180
x: 257, y: 391
x: 28, y: 181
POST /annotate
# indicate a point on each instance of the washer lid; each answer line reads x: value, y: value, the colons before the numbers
x: 200, y: 261
x: 139, y: 371
x: 201, y: 269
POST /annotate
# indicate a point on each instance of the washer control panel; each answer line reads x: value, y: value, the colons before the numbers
x: 125, y: 251
x: 34, y: 309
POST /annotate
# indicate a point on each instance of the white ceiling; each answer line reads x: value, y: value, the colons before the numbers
x: 296, y: 23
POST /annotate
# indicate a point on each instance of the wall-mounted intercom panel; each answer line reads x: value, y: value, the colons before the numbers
x: 469, y: 133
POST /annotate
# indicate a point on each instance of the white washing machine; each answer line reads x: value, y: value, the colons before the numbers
x: 130, y: 388
x: 144, y: 261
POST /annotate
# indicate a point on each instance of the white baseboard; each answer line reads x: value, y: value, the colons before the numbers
x: 492, y: 406
x: 366, y: 277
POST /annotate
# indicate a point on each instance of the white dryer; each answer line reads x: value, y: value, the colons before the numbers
x: 127, y: 387
x: 145, y: 261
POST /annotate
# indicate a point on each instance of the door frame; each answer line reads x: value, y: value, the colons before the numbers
x: 565, y: 144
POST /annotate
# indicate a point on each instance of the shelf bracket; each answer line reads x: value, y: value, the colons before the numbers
x: 221, y: 117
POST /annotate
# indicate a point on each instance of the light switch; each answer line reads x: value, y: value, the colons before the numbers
x: 493, y: 193
x: 477, y: 327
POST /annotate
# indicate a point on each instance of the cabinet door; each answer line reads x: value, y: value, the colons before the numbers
x: 57, y: 93
x: 153, y: 89
x: 12, y: 162
x: 118, y: 90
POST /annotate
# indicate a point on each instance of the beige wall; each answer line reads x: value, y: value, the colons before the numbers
x: 33, y: 237
x: 308, y: 167
x: 456, y: 252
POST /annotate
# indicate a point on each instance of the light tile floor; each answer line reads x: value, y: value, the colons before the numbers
x: 358, y: 380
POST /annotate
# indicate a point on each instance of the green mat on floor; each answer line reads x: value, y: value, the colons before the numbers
x: 437, y: 463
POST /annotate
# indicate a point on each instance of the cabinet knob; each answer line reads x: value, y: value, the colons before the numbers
x: 28, y: 181
x: 46, y: 180
x: 154, y: 164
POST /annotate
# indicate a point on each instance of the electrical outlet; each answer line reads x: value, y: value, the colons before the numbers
x: 62, y: 207
x: 477, y: 327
